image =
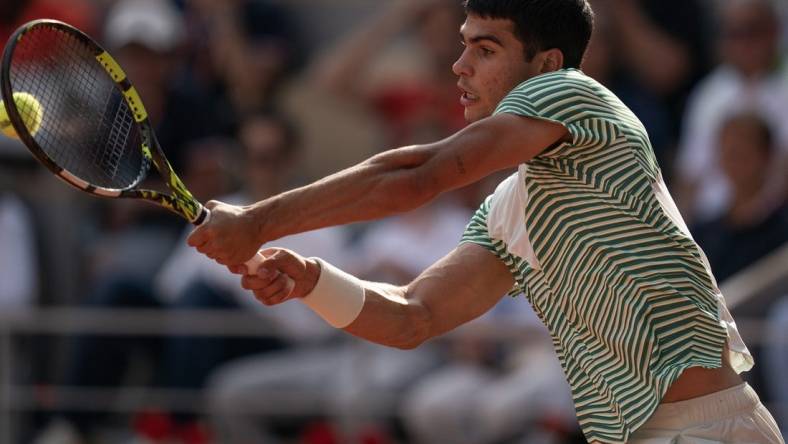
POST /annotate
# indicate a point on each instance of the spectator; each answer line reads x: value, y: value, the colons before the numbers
x: 104, y: 361
x: 251, y: 47
x: 751, y: 226
x: 651, y: 53
x: 749, y: 76
x: 19, y: 275
x: 335, y: 381
x: 80, y: 13
x: 269, y: 163
x: 409, y: 85
x: 146, y: 36
x: 188, y: 280
x: 775, y: 359
x: 191, y: 281
x: 434, y: 227
x: 493, y: 389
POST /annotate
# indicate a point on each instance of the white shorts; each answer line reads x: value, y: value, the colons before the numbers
x: 733, y: 415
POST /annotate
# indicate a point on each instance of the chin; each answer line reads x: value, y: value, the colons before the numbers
x: 474, y: 115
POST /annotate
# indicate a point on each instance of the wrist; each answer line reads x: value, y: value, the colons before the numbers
x: 263, y: 222
x: 337, y: 297
x: 311, y: 274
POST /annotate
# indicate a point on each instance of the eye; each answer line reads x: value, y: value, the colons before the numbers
x: 486, y: 51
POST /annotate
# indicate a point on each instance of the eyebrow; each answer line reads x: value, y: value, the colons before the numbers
x: 483, y: 37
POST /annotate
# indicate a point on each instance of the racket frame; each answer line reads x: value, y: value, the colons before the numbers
x: 180, y: 201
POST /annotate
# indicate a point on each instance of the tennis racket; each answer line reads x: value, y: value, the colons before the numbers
x: 94, y: 132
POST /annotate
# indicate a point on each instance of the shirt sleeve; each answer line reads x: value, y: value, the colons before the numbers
x: 570, y: 100
x: 477, y: 233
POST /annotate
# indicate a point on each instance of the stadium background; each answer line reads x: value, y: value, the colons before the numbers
x: 112, y: 331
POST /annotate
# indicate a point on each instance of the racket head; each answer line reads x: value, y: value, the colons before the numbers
x: 94, y: 132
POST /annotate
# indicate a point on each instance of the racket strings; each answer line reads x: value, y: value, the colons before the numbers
x: 87, y: 127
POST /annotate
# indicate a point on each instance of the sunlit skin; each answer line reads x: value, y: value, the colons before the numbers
x: 491, y: 64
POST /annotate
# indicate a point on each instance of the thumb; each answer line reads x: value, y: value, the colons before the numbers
x: 282, y: 260
x: 211, y: 204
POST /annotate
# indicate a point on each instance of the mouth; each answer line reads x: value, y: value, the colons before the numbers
x: 467, y: 98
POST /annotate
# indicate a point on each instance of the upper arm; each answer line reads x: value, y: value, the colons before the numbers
x: 416, y: 174
x: 492, y: 144
x: 462, y: 286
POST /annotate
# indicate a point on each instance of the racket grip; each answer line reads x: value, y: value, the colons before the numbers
x: 252, y: 264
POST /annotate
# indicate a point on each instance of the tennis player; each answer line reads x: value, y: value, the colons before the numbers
x: 585, y: 229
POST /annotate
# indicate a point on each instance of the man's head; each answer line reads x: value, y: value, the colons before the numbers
x: 145, y: 36
x: 270, y: 142
x: 749, y: 36
x: 746, y: 148
x: 509, y: 41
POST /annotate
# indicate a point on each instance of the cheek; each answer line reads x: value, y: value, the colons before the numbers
x: 511, y: 74
x: 499, y: 85
x: 495, y: 90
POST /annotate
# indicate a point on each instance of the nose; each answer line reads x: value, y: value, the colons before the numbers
x: 461, y: 67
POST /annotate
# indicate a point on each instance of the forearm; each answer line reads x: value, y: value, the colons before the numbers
x: 385, y: 184
x: 392, y: 182
x: 460, y: 287
x: 389, y: 318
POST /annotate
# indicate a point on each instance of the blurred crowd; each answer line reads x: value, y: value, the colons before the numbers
x: 250, y: 98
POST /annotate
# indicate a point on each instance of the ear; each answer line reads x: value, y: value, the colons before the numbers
x: 552, y: 60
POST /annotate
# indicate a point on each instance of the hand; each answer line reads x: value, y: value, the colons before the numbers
x: 282, y: 276
x: 230, y: 235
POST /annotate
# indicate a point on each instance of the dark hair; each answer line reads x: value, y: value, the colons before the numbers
x: 543, y: 24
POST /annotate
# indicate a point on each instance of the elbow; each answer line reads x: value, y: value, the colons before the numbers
x: 419, y: 330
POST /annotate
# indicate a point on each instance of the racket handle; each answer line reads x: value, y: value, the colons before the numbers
x: 252, y: 264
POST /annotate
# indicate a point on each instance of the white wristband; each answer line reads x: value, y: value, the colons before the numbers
x: 338, y: 297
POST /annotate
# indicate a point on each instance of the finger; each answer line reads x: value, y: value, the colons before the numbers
x: 197, y: 238
x: 270, y: 256
x: 286, y: 261
x: 273, y: 288
x: 268, y: 298
x: 237, y: 269
x: 211, y: 204
x: 266, y: 270
x: 285, y: 292
x: 278, y: 298
x: 249, y: 282
x: 252, y: 282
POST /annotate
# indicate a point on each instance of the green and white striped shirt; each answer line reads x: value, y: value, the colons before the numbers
x: 596, y: 244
